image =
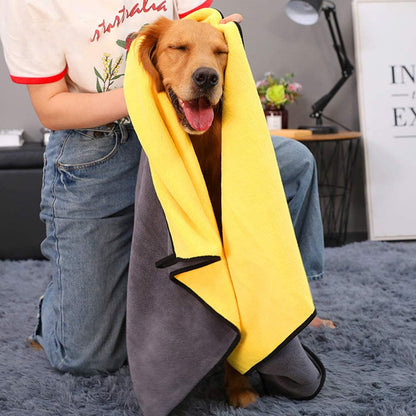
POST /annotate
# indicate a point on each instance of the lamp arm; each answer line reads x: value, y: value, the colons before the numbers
x: 346, y: 67
x: 319, y: 105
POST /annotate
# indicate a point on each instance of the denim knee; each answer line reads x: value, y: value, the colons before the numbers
x: 294, y: 159
x: 304, y: 159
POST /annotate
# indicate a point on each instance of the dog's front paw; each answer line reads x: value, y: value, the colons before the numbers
x: 241, y: 397
x: 238, y: 389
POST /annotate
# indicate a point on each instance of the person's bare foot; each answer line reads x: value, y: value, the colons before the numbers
x: 322, y: 323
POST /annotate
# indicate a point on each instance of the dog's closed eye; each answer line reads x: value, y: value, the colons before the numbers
x: 178, y: 47
x: 221, y: 52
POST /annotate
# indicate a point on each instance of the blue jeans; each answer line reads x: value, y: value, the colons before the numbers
x: 299, y: 177
x: 87, y: 206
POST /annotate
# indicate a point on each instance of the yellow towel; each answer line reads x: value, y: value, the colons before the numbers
x: 259, y: 285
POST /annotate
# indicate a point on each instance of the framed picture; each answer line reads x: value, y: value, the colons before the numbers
x: 385, y: 35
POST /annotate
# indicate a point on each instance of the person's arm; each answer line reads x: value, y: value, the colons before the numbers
x: 59, y: 109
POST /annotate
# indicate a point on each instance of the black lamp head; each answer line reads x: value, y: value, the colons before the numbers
x: 304, y: 12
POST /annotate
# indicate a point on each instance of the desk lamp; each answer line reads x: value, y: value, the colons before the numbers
x: 306, y: 12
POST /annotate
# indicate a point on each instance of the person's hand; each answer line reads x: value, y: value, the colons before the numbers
x: 235, y: 17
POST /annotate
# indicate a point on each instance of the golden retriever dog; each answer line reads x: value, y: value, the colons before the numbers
x: 187, y: 59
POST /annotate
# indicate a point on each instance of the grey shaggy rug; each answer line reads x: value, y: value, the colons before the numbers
x: 369, y: 291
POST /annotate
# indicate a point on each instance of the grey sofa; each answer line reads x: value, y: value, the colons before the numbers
x: 21, y: 230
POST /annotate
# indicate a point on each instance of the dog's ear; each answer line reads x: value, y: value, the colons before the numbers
x: 147, y: 50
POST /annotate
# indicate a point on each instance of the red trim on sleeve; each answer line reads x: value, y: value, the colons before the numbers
x: 45, y: 80
x: 206, y: 3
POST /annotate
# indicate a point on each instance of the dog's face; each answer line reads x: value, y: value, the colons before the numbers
x: 187, y: 59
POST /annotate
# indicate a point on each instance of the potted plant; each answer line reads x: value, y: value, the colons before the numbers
x: 274, y: 94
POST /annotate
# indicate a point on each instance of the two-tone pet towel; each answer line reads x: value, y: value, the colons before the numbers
x: 194, y: 298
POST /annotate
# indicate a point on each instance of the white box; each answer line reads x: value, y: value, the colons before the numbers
x: 11, y: 138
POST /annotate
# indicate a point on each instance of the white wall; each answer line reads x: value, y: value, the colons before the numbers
x: 15, y: 107
x: 273, y: 43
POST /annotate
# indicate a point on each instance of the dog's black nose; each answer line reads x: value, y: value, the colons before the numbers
x: 205, y: 78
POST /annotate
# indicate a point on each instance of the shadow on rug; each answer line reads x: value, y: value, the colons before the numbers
x: 369, y: 291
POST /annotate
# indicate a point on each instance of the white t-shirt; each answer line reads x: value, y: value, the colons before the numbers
x: 45, y: 40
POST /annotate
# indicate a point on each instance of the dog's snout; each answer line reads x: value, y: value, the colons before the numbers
x: 205, y: 78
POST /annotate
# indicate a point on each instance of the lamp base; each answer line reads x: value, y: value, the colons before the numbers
x: 320, y: 129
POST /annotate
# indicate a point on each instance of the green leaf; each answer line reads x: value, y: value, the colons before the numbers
x: 121, y: 43
x: 98, y: 86
x: 98, y: 74
x: 117, y: 77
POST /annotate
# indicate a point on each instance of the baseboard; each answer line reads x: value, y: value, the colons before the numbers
x: 356, y: 237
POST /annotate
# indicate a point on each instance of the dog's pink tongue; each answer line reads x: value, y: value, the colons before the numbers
x: 199, y: 114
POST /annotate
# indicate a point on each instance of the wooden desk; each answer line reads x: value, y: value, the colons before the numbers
x: 343, y: 135
x: 335, y: 156
x: 307, y: 136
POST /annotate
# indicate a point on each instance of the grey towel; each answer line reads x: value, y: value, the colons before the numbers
x: 173, y: 339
